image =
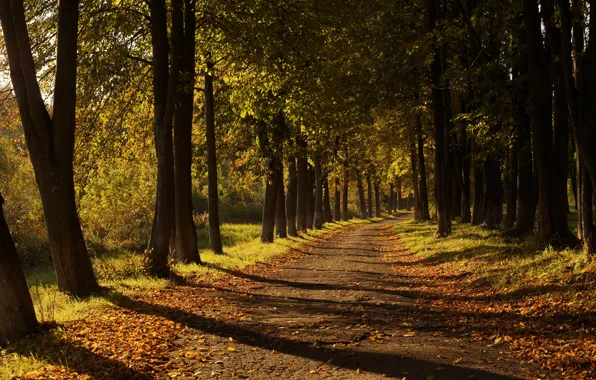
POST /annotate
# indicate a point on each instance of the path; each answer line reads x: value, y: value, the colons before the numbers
x: 338, y: 313
x: 333, y: 310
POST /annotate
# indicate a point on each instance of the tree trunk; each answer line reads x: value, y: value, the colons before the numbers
x: 391, y: 195
x: 281, y: 227
x: 377, y: 201
x: 511, y: 193
x: 292, y: 197
x: 466, y: 215
x: 527, y: 196
x: 17, y: 316
x: 185, y: 235
x: 327, y: 213
x: 361, y: 196
x: 302, y: 184
x: 442, y: 184
x: 478, y: 213
x: 493, y: 199
x: 415, y: 184
x: 370, y: 194
x: 318, y: 216
x: 311, y: 197
x: 588, y: 229
x: 344, y: 212
x: 552, y: 221
x: 272, y: 151
x: 337, y: 203
x: 214, y: 229
x: 399, y: 199
x: 423, y: 187
x: 50, y: 140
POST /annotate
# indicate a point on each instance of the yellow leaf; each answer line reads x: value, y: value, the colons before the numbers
x: 431, y: 377
x: 458, y: 360
x: 358, y: 371
x: 231, y: 349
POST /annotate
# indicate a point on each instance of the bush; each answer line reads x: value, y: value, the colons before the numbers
x: 116, y: 205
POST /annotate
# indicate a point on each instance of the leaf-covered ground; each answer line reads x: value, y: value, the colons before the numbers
x: 538, y: 302
x: 352, y: 305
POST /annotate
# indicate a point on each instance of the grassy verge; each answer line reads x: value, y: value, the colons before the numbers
x: 503, y: 265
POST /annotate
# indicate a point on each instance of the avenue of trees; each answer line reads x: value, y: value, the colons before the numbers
x: 122, y: 119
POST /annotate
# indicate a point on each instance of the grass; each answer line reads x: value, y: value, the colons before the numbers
x: 505, y: 265
x: 122, y: 271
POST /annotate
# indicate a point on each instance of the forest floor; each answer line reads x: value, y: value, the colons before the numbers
x: 353, y: 304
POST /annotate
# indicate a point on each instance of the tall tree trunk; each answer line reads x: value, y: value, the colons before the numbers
x: 214, y: 230
x: 423, y: 194
x: 478, y: 213
x: 415, y: 184
x: 442, y: 184
x: 50, y: 140
x: 391, y: 194
x: 327, y: 213
x: 302, y: 184
x: 185, y: 236
x: 587, y: 219
x: 292, y: 195
x: 344, y: 211
x: 337, y: 203
x: 493, y: 199
x: 272, y: 150
x: 17, y: 316
x: 466, y: 215
x: 511, y: 193
x: 399, y: 199
x: 311, y: 197
x: 370, y: 194
x: 281, y: 227
x: 527, y: 191
x: 319, y: 216
x: 377, y: 201
x: 552, y: 222
x: 363, y: 211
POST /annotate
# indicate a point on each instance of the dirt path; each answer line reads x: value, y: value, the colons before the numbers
x: 334, y: 310
x: 337, y: 313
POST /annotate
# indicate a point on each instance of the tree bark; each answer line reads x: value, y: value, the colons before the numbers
x: 377, y: 201
x: 311, y: 197
x: 318, y: 215
x: 291, y: 198
x: 478, y: 212
x: 399, y: 199
x: 17, y: 316
x: 302, y: 184
x: 337, y: 203
x: 271, y: 149
x: 493, y: 199
x: 588, y: 229
x: 370, y: 194
x: 466, y: 215
x: 552, y: 222
x: 425, y: 212
x: 281, y: 226
x: 214, y: 228
x: 50, y: 140
x: 344, y: 212
x: 327, y: 213
x: 185, y: 231
x: 363, y: 210
x: 415, y: 184
x: 391, y: 195
x: 442, y: 183
x: 511, y: 193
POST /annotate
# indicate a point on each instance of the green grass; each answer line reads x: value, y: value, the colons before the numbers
x: 506, y: 265
x: 122, y: 271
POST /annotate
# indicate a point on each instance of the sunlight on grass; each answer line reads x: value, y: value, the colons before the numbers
x: 504, y: 264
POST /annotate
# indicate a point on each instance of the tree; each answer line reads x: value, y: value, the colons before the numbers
x: 214, y: 231
x: 186, y: 233
x: 50, y: 139
x: 17, y: 316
